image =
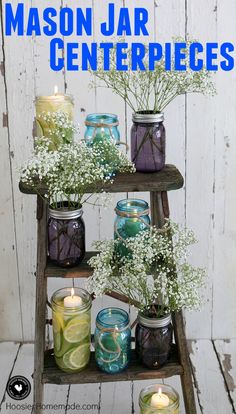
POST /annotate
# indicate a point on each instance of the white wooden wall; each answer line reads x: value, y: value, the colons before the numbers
x: 200, y: 141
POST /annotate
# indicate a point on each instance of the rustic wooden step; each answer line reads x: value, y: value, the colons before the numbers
x: 92, y: 374
x: 169, y: 178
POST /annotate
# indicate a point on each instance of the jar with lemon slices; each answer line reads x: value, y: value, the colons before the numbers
x: 71, y: 320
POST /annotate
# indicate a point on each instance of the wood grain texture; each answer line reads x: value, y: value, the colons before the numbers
x: 92, y: 374
x: 226, y: 352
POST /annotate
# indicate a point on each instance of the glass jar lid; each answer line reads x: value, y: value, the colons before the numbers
x: 65, y: 213
x: 154, y: 322
x: 144, y: 117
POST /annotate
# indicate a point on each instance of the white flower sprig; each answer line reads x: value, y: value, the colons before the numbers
x: 152, y: 91
x: 73, y: 169
x: 154, y: 272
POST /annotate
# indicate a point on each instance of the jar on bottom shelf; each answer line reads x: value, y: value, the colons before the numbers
x: 112, y: 340
x: 159, y: 399
x: 153, y: 340
x: 71, y: 320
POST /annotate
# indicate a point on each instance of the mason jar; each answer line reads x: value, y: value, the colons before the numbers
x: 153, y: 340
x: 71, y: 321
x: 148, y: 142
x: 112, y: 340
x: 132, y: 216
x: 101, y: 127
x: 159, y: 399
x: 66, y: 236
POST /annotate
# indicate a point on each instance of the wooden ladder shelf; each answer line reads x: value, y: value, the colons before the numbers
x: 45, y: 369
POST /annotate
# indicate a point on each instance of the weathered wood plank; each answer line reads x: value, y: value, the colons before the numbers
x: 200, y: 158
x: 116, y: 398
x: 209, y: 381
x: 226, y: 352
x: 11, y: 327
x: 165, y: 180
x: 92, y: 375
x: 85, y: 397
x: 224, y: 322
x: 8, y: 353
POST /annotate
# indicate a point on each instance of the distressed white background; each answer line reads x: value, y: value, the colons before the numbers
x: 200, y: 141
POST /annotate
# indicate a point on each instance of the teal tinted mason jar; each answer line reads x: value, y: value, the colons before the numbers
x: 112, y: 340
x: 101, y: 127
x: 132, y: 216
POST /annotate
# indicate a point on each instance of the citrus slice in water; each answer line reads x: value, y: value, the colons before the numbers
x: 76, y: 330
x: 58, y: 322
x: 78, y: 357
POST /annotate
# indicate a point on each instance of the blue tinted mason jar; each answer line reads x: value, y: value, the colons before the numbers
x: 101, y: 127
x: 112, y: 340
x: 132, y: 216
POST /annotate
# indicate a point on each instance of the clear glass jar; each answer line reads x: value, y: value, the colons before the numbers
x: 66, y: 236
x: 71, y: 320
x: 101, y: 127
x: 148, y: 142
x: 132, y: 216
x: 168, y: 400
x: 112, y: 340
x: 153, y: 340
x: 52, y: 103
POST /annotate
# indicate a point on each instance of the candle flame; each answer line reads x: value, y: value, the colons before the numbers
x: 72, y: 292
x: 159, y: 391
x: 55, y: 90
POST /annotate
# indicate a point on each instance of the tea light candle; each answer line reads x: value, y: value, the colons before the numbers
x: 72, y: 301
x: 160, y: 400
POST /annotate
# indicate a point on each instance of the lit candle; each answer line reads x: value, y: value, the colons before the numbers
x: 72, y: 301
x: 160, y: 400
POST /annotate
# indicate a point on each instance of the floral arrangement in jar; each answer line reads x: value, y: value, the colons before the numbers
x: 156, y: 278
x: 67, y: 174
x: 148, y: 93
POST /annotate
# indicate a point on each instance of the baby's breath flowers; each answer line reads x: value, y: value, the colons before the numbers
x: 73, y: 169
x: 155, y: 273
x: 153, y: 90
x: 56, y: 128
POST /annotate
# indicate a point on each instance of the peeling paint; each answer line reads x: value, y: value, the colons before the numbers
x: 227, y: 366
x: 82, y: 110
x: 4, y: 120
x: 12, y: 154
x: 215, y: 8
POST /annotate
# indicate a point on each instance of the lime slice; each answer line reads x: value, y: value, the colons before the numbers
x: 65, y: 346
x: 82, y: 318
x: 57, y: 342
x: 57, y: 322
x: 77, y: 358
x: 76, y: 330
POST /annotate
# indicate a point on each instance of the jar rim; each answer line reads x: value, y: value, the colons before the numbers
x: 57, y: 97
x: 65, y: 213
x: 167, y: 389
x: 66, y: 291
x: 112, y: 311
x: 154, y: 322
x: 147, y: 118
x: 102, y: 118
x: 132, y: 205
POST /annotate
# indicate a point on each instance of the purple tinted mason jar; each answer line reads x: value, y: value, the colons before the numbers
x: 66, y: 236
x: 153, y: 339
x: 148, y: 140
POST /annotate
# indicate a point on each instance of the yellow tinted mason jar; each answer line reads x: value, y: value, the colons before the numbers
x: 71, y: 320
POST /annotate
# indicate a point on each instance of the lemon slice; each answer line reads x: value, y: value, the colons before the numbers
x: 57, y: 322
x: 77, y: 358
x: 76, y: 330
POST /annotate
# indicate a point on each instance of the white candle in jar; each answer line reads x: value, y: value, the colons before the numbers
x: 160, y: 400
x: 72, y: 301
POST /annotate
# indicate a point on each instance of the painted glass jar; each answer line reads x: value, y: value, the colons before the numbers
x: 71, y: 320
x: 101, y: 127
x: 66, y: 236
x: 159, y: 399
x: 132, y: 216
x: 153, y: 338
x: 148, y: 142
x: 112, y: 340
